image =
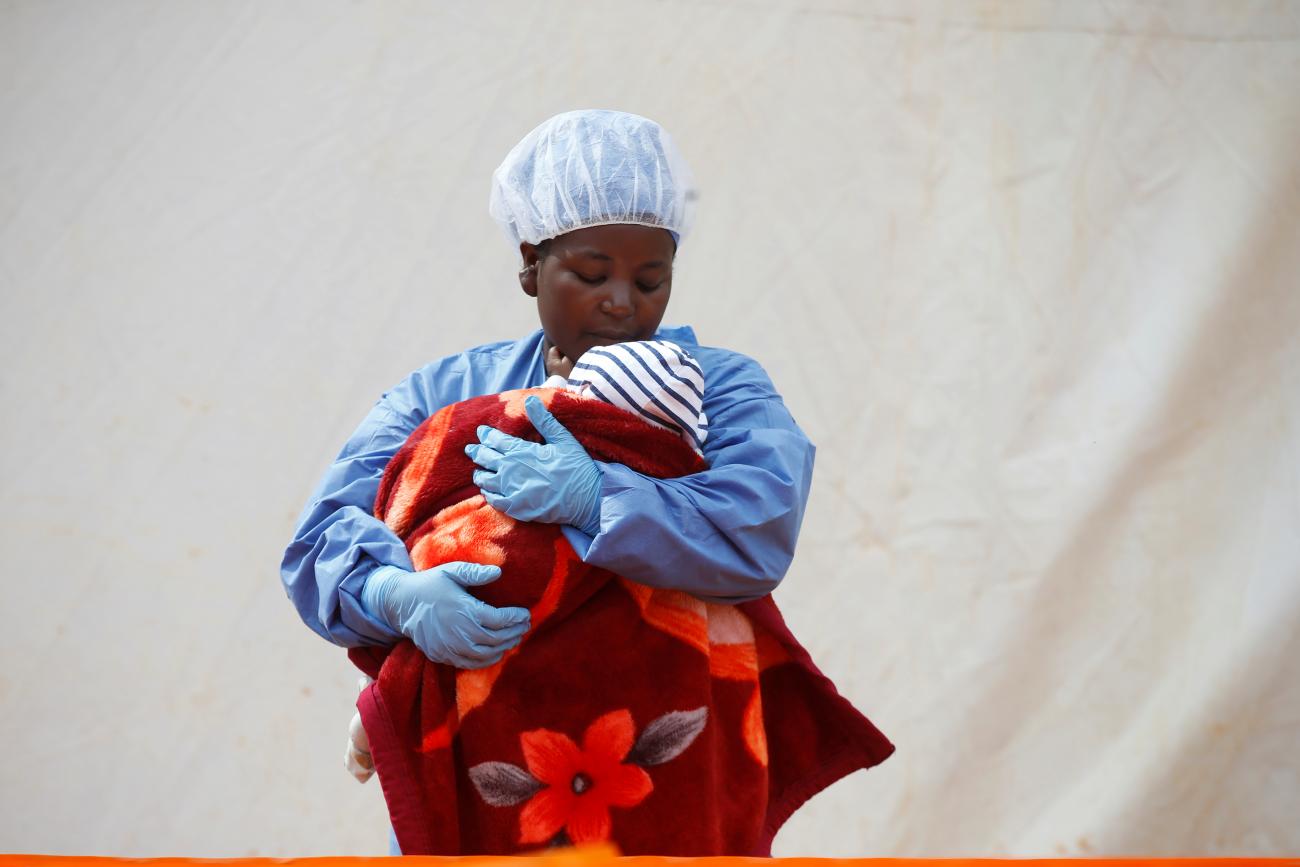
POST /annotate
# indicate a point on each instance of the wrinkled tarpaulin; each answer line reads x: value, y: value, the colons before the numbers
x: 1054, y: 544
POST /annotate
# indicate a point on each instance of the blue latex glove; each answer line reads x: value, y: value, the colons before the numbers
x: 445, y: 622
x: 555, y: 482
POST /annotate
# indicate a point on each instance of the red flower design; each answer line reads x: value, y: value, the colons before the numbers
x: 582, y: 784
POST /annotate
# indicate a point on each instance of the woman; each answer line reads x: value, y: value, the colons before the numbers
x: 597, y: 202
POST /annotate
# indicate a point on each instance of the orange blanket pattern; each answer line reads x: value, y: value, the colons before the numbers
x: 636, y: 715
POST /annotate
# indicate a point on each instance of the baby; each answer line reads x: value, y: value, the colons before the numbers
x: 654, y: 379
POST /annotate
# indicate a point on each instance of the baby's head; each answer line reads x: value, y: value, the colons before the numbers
x: 656, y: 379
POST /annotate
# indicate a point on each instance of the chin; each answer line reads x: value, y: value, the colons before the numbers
x: 610, y: 340
x: 591, y: 341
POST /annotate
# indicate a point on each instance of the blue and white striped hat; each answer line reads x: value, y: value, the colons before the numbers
x: 656, y: 379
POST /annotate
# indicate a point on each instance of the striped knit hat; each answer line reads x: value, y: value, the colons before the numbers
x: 656, y: 379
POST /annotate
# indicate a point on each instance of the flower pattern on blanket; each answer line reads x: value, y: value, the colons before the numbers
x: 570, y: 789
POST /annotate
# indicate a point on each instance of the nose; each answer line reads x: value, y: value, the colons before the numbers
x: 619, y: 299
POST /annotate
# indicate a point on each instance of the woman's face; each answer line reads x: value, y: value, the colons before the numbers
x: 600, y: 285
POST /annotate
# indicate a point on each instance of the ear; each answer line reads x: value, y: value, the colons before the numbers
x: 528, y: 273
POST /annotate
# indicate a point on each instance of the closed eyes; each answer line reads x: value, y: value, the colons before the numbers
x: 599, y: 279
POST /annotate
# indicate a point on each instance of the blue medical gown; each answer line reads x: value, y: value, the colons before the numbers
x: 726, y: 534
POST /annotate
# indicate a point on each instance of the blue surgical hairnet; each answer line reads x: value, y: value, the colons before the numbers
x: 592, y: 168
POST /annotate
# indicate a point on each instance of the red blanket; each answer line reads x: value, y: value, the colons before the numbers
x: 645, y: 717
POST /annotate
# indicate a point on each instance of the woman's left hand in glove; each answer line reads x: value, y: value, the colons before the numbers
x: 555, y: 481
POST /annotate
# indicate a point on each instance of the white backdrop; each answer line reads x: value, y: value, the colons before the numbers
x: 1028, y: 273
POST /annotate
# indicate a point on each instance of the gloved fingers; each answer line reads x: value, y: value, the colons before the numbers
x: 491, y: 617
x: 504, y: 639
x: 452, y: 658
x: 457, y: 653
x: 485, y: 456
x: 476, y: 634
x: 467, y: 653
x: 483, y: 652
x: 470, y: 574
x: 496, y: 501
x: 499, y: 441
x: 465, y: 644
x: 488, y: 483
x: 547, y: 425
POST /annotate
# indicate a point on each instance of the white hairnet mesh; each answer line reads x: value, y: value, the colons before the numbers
x: 592, y: 168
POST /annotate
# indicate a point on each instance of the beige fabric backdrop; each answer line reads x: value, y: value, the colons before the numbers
x: 1027, y: 272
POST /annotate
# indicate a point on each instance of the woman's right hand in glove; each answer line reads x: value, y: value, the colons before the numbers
x: 433, y: 609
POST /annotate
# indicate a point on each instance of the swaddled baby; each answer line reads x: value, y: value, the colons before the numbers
x: 656, y: 380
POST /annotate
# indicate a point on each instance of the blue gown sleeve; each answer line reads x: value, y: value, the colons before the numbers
x: 338, y: 541
x: 726, y: 534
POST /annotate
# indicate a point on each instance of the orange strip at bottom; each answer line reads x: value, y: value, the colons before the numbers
x: 602, y: 856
